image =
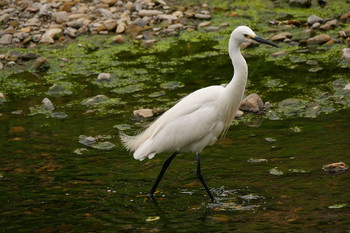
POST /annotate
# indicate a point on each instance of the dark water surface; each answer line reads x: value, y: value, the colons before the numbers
x: 47, y: 186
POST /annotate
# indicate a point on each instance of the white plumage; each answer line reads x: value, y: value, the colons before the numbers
x: 198, y: 119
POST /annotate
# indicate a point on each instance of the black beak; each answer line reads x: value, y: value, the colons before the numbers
x: 263, y: 41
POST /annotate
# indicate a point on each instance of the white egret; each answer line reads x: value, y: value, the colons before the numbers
x: 198, y: 119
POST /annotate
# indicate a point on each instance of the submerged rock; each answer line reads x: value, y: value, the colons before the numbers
x: 252, y: 103
x: 144, y: 113
x: 96, y: 142
x: 47, y: 105
x: 335, y: 167
x: 95, y: 100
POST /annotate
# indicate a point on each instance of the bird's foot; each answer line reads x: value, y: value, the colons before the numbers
x: 151, y: 196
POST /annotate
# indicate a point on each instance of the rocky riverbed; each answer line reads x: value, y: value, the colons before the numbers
x: 56, y: 40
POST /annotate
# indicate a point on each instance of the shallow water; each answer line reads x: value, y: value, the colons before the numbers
x: 47, y: 185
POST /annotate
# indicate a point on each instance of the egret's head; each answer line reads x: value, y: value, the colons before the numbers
x: 245, y: 34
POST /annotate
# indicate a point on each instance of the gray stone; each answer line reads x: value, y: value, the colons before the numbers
x: 314, y: 19
x: 60, y: 17
x: 4, y: 18
x: 95, y: 100
x: 44, y: 10
x: 47, y: 105
x: 72, y: 32
x: 252, y: 103
x: 6, y: 39
x: 105, y: 13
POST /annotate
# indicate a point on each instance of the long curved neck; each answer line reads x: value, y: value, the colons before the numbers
x: 239, y: 80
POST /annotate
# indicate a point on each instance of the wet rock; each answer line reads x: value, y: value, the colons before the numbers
x: 17, y: 112
x: 251, y: 160
x: 87, y: 140
x: 6, y: 39
x: 103, y: 146
x: 47, y: 105
x: 59, y: 89
x: 58, y: 115
x: 282, y: 36
x: 300, y: 3
x: 335, y: 167
x: 292, y: 107
x: 345, y: 54
x: 143, y: 113
x: 275, y: 171
x: 329, y: 25
x: 104, y: 77
x: 95, y: 100
x: 314, y: 19
x: 252, y: 103
x: 319, y: 39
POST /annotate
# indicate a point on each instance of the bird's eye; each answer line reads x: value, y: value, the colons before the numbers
x: 245, y: 35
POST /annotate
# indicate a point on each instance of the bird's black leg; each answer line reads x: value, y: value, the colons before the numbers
x: 199, y: 174
x: 159, y: 178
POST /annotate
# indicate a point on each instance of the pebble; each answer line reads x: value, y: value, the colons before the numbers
x: 319, y: 39
x: 252, y: 103
x: 202, y: 16
x: 282, y: 36
x: 6, y: 39
x: 150, y: 12
x: 118, y: 39
x: 204, y: 24
x: 121, y: 28
x: 176, y: 26
x: 329, y: 25
x: 314, y: 19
